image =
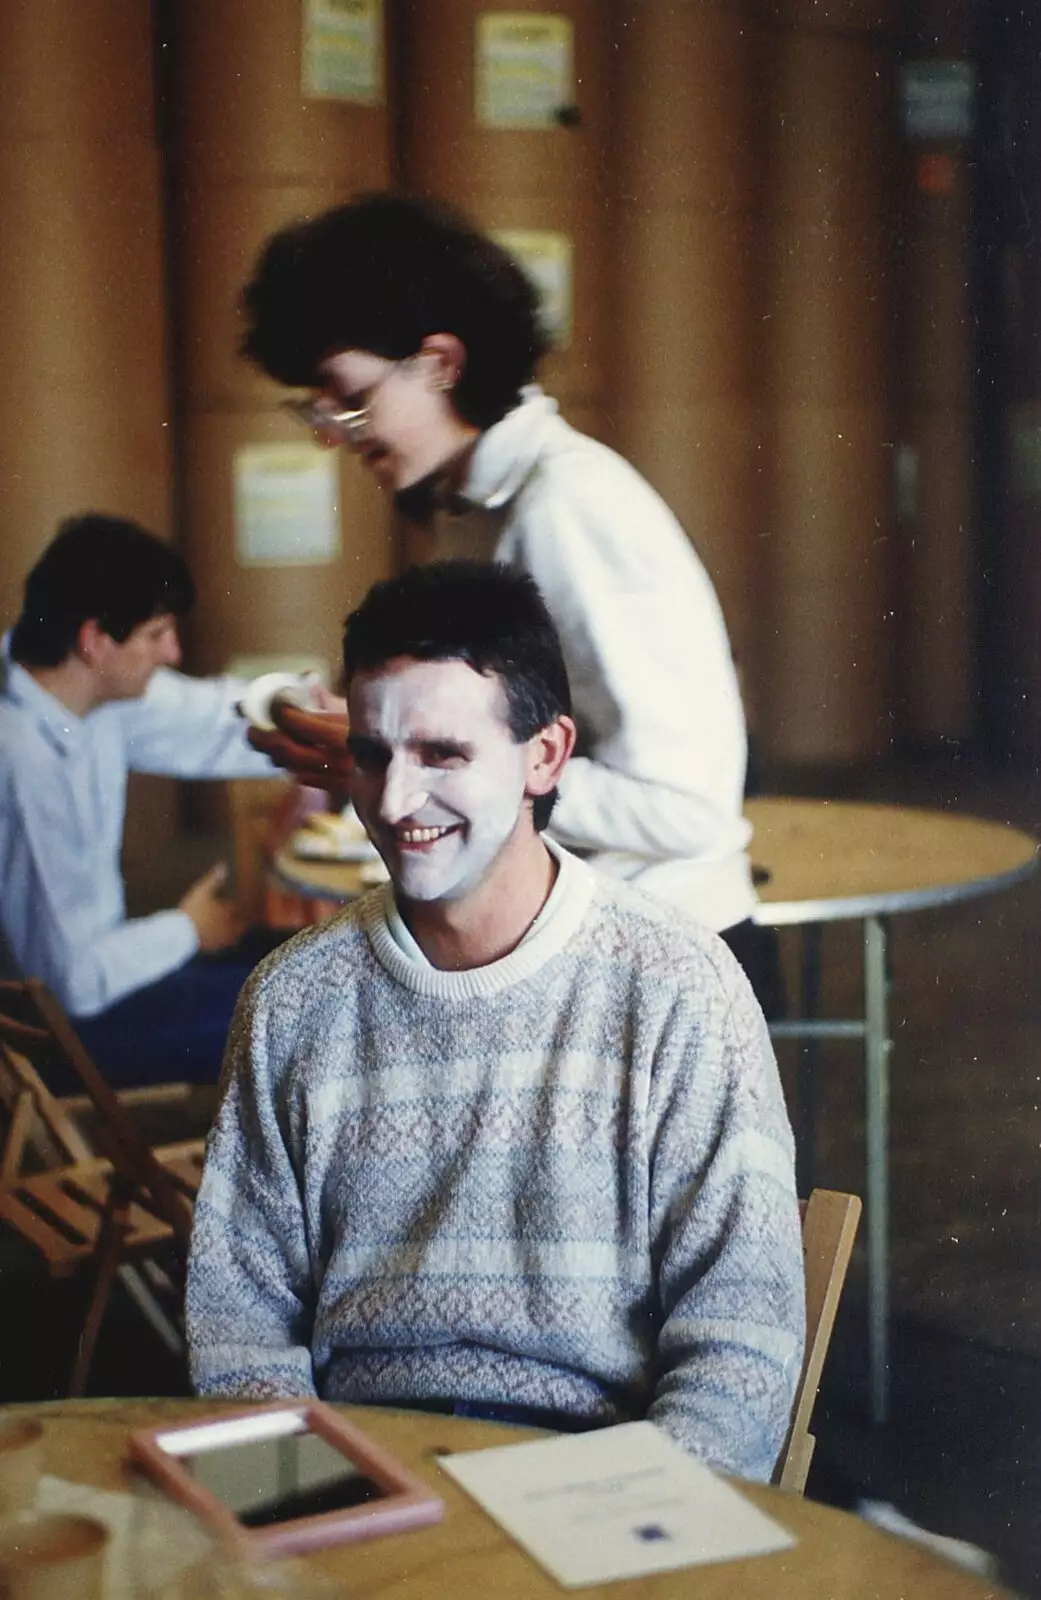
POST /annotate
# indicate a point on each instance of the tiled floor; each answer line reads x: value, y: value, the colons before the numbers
x: 962, y: 1452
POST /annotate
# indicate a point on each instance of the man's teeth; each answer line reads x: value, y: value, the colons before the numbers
x: 421, y: 835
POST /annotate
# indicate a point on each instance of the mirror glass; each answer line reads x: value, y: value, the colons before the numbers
x: 271, y: 1469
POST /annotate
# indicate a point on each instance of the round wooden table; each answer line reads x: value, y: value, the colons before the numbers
x: 468, y: 1557
x: 833, y: 860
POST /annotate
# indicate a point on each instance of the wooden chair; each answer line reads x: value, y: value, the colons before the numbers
x: 110, y: 1202
x: 829, y: 1227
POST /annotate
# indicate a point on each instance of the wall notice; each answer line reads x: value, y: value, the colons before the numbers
x: 938, y: 99
x: 287, y: 511
x: 523, y: 69
x: 342, y: 56
x: 546, y: 258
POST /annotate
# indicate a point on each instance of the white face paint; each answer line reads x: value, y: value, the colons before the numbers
x: 438, y: 781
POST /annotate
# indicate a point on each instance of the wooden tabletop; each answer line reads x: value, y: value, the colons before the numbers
x: 830, y: 859
x: 467, y: 1556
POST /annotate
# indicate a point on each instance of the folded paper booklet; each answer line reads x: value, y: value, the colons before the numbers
x: 614, y: 1503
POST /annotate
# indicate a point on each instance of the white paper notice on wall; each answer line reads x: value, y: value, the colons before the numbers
x: 938, y: 99
x: 546, y: 258
x: 287, y: 505
x: 342, y: 55
x: 297, y: 661
x: 614, y: 1503
x: 523, y: 69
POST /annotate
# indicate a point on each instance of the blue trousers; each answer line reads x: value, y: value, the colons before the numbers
x: 173, y: 1030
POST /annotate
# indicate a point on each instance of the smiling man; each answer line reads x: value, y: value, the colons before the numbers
x: 506, y: 1137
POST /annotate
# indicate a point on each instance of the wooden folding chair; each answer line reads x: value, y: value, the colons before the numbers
x: 112, y: 1202
x: 829, y: 1227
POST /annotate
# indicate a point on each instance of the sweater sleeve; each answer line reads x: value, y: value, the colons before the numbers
x: 726, y: 1238
x: 184, y: 727
x: 250, y: 1299
x: 662, y: 759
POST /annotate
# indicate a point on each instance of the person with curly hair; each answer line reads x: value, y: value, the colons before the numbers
x: 419, y: 340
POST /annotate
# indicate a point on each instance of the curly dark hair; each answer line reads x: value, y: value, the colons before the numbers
x: 380, y: 274
x: 102, y: 569
x: 487, y: 614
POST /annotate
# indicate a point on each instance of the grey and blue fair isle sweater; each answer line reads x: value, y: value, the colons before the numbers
x: 562, y: 1181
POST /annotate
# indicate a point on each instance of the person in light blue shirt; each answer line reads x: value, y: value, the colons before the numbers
x: 88, y: 693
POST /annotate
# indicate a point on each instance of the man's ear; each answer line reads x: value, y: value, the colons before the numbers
x: 92, y: 642
x: 548, y: 754
x: 447, y: 358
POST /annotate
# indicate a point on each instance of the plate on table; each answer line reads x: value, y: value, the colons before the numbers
x: 333, y: 836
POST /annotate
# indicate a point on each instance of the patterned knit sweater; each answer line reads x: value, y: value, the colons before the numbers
x: 561, y: 1181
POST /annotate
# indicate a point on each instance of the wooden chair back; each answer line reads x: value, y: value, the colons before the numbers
x: 34, y: 1027
x: 829, y: 1227
x: 113, y: 1202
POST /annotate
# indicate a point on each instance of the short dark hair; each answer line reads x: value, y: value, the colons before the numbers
x: 379, y: 274
x: 484, y: 613
x: 97, y: 568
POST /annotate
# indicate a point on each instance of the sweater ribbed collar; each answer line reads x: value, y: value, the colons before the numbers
x: 571, y: 897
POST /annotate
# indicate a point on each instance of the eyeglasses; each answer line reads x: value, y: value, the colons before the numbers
x: 323, y: 415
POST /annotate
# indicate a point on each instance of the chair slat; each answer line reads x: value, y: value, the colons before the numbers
x: 55, y: 1192
x: 142, y: 1226
x: 59, y: 1252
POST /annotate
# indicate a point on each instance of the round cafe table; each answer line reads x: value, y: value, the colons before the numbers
x: 820, y: 861
x: 468, y: 1557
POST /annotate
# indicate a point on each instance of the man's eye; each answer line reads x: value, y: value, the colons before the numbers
x: 442, y: 755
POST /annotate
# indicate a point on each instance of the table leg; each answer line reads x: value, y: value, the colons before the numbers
x: 806, y: 1118
x: 877, y: 1045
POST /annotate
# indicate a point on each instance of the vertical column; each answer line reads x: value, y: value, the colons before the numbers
x: 687, y: 311
x: 278, y: 112
x: 83, y: 401
x: 936, y: 465
x: 1013, y: 171
x: 504, y: 113
x: 826, y: 367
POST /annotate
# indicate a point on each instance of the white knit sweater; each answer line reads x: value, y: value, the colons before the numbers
x: 561, y: 1181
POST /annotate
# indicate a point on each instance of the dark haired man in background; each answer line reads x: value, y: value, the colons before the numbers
x: 420, y: 337
x: 87, y: 694
x: 506, y: 1137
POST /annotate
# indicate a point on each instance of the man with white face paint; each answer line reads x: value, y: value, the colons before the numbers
x: 506, y: 1138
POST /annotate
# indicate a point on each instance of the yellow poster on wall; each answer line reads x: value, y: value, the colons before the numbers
x: 342, y: 55
x: 287, y: 510
x: 523, y: 69
x: 546, y: 258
